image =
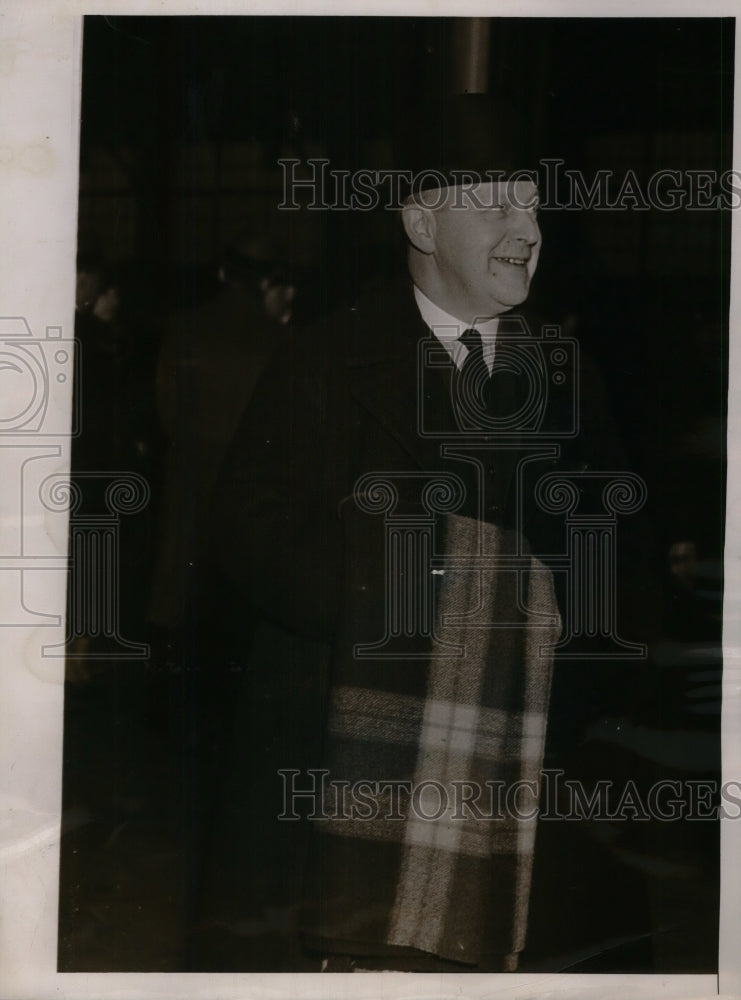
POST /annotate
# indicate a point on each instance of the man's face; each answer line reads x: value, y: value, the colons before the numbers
x: 88, y: 289
x: 486, y: 244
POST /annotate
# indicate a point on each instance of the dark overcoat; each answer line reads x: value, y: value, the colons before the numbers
x: 345, y: 400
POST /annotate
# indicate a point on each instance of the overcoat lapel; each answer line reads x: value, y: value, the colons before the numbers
x: 385, y: 377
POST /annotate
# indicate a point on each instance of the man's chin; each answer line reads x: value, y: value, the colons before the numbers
x: 507, y: 302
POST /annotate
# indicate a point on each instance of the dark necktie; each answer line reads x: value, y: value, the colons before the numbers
x: 471, y: 405
x: 485, y: 395
x: 470, y: 382
x: 474, y: 364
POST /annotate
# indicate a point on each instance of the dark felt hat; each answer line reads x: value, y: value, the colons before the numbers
x: 470, y: 134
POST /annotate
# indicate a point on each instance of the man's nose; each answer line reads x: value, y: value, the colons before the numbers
x: 524, y: 226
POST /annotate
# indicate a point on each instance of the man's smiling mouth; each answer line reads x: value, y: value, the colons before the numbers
x: 519, y: 261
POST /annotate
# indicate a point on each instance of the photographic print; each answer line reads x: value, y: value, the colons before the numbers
x: 391, y: 546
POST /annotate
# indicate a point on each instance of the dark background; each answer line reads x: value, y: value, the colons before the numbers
x: 182, y: 122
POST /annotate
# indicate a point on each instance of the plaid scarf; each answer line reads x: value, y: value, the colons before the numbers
x: 412, y: 867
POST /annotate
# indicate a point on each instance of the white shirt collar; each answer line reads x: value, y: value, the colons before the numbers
x: 448, y: 330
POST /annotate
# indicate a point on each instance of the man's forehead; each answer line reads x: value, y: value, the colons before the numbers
x: 517, y: 192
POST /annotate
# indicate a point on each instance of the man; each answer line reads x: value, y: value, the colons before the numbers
x: 379, y: 509
x: 212, y: 355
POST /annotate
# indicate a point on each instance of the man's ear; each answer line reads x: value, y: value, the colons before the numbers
x: 419, y: 225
